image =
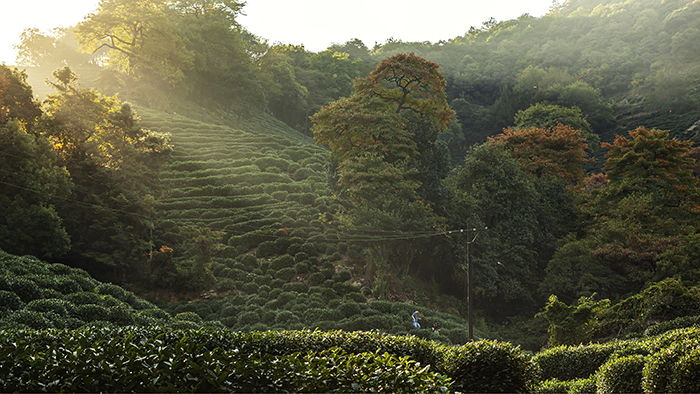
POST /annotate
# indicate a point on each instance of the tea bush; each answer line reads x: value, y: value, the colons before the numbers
x: 490, y: 366
x: 301, y: 267
x: 285, y: 275
x: 587, y: 385
x: 621, y: 375
x: 572, y: 362
x: 680, y: 322
x: 659, y: 374
x: 9, y: 300
x: 280, y: 262
x: 116, y: 292
x: 685, y: 377
x: 299, y: 287
x: 551, y: 386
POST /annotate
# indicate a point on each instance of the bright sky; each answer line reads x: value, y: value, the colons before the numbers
x: 314, y: 23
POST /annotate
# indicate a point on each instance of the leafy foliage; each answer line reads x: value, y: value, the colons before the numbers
x: 570, y: 325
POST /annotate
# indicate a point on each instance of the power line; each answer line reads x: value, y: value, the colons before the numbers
x: 364, y: 237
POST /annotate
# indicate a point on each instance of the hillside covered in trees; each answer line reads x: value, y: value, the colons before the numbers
x: 268, y: 187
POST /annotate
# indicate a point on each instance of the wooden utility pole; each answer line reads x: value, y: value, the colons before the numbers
x: 470, y: 292
x: 469, y: 285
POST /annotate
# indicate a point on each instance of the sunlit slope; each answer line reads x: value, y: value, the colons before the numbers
x: 241, y: 182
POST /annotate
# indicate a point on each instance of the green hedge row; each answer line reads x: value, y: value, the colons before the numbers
x: 216, y: 360
x: 667, y: 363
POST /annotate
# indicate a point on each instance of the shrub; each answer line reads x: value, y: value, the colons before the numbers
x: 285, y: 274
x: 307, y: 198
x: 280, y: 262
x: 587, y: 385
x: 286, y: 317
x: 60, y: 269
x: 91, y: 312
x: 282, y: 244
x: 310, y: 248
x: 120, y: 315
x: 356, y: 297
x: 26, y: 289
x: 621, y: 375
x: 685, y: 377
x: 117, y: 292
x: 658, y: 373
x: 335, y: 256
x: 59, y: 307
x: 286, y: 297
x: 315, y: 315
x: 349, y: 309
x: 66, y: 285
x: 248, y: 318
x: 280, y: 195
x: 317, y: 278
x: 295, y: 247
x: 263, y: 280
x: 155, y: 314
x: 255, y: 300
x: 27, y: 318
x: 250, y: 288
x: 369, y: 323
x: 50, y: 293
x: 226, y: 284
x: 82, y: 298
x: 302, y: 173
x: 680, y: 322
x: 277, y: 283
x: 324, y: 293
x: 551, y: 386
x: 249, y: 261
x: 265, y: 249
x: 85, y: 282
x: 9, y: 300
x: 573, y: 362
x: 188, y: 316
x: 344, y: 288
x: 299, y: 287
x: 301, y: 267
x: 301, y: 256
x: 342, y: 276
x: 490, y: 366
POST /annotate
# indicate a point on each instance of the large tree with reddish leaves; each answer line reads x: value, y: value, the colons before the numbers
x: 639, y: 226
x: 556, y: 152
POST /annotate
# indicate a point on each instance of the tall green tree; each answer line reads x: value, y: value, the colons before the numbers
x: 53, y: 49
x: 32, y: 181
x: 112, y: 161
x: 223, y: 73
x: 375, y: 136
x: 138, y: 39
x: 286, y: 96
x: 18, y: 101
x: 373, y: 126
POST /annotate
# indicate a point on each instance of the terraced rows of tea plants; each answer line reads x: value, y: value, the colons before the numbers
x: 284, y: 265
